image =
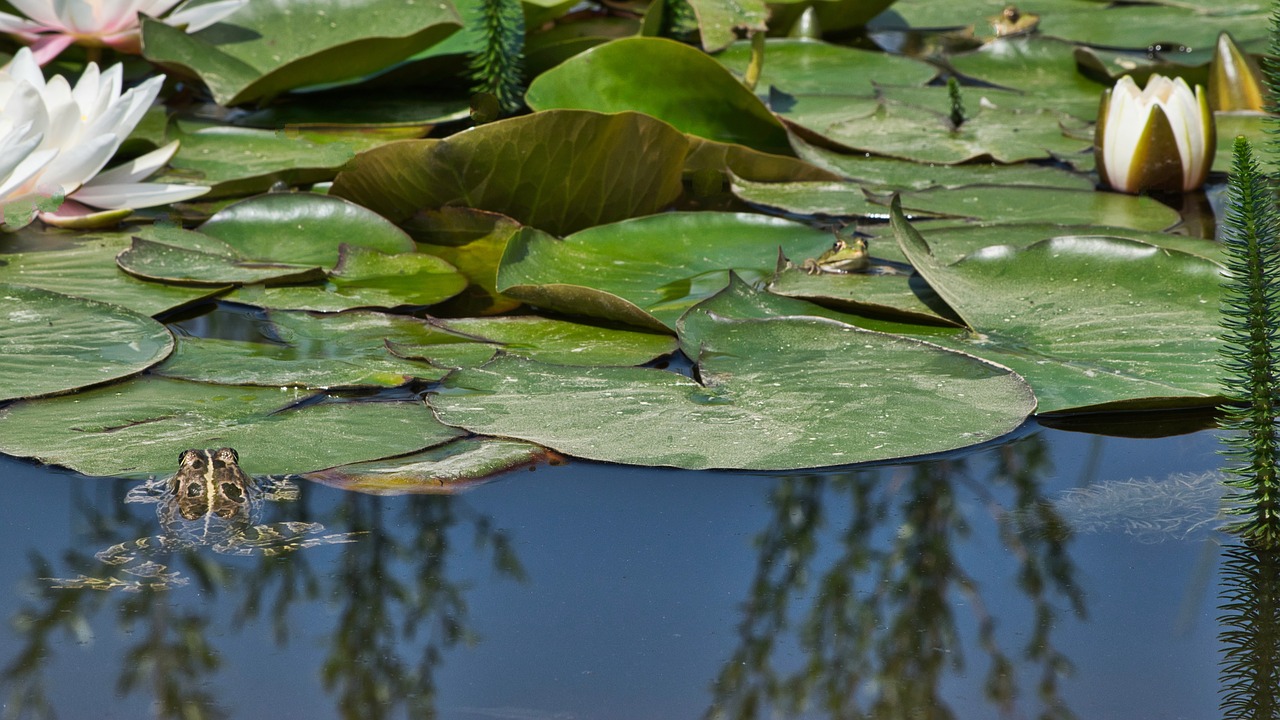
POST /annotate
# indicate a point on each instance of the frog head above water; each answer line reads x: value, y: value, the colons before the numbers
x: 845, y: 256
x: 210, y: 482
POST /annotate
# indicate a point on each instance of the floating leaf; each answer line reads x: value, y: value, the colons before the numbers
x: 266, y: 48
x: 801, y: 67
x: 668, y: 80
x: 85, y: 266
x: 559, y: 170
x: 780, y: 394
x: 551, y: 341
x: 1092, y: 323
x: 446, y: 469
x: 52, y: 343
x: 138, y: 428
x: 885, y: 291
x: 648, y: 271
x: 169, y: 254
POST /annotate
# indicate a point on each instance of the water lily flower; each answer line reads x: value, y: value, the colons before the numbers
x: 1158, y: 138
x: 51, y: 26
x: 55, y: 139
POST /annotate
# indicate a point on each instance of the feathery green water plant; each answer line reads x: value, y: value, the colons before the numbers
x: 498, y: 66
x: 1251, y: 330
x: 1250, y: 606
x: 957, y: 103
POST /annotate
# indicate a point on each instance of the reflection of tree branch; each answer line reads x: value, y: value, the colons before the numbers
x: 879, y: 634
x: 1250, y: 636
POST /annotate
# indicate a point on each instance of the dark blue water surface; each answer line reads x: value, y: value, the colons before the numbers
x: 595, y: 591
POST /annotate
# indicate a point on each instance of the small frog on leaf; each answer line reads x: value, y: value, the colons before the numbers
x: 1011, y: 22
x: 845, y: 256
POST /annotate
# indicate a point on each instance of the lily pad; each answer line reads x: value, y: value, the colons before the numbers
x: 1065, y: 207
x: 302, y: 228
x: 446, y: 469
x: 1092, y: 323
x: 85, y: 266
x: 1040, y: 67
x: 472, y: 241
x: 648, y: 271
x: 52, y: 343
x: 780, y: 394
x: 558, y: 170
x: 668, y: 80
x: 342, y: 350
x: 913, y: 133
x: 266, y: 48
x: 136, y: 429
x: 173, y: 255
x: 548, y: 340
x: 892, y: 292
x: 364, y: 278
x: 236, y: 161
x: 799, y: 67
x: 883, y: 174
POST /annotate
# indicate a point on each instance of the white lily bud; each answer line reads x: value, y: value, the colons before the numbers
x: 1158, y: 138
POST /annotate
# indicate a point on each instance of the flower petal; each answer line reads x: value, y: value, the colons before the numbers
x: 138, y: 168
x: 200, y: 17
x: 136, y: 195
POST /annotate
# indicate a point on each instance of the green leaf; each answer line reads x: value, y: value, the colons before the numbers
x: 364, y: 278
x: 52, y: 343
x: 238, y: 161
x: 550, y: 341
x: 559, y: 170
x: 138, y: 428
x: 453, y: 467
x: 302, y: 228
x: 270, y: 46
x: 1043, y: 68
x: 883, y: 174
x: 896, y: 294
x: 807, y: 67
x: 309, y: 351
x: 668, y: 80
x: 85, y: 266
x: 719, y: 20
x: 775, y: 393
x: 648, y: 271
x: 913, y: 133
x: 1092, y: 323
x: 169, y: 254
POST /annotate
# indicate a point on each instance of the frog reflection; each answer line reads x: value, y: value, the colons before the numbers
x: 210, y: 502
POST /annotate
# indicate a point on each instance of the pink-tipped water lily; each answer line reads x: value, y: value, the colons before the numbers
x: 51, y: 26
x: 55, y: 139
x: 1157, y: 138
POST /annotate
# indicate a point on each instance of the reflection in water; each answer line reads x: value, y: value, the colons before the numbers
x: 399, y: 609
x: 1250, y: 620
x: 879, y: 636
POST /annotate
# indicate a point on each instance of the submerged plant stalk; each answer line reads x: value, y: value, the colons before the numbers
x: 498, y: 67
x: 1251, y: 323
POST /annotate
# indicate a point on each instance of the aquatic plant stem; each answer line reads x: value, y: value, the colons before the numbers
x: 957, y: 104
x: 1251, y: 324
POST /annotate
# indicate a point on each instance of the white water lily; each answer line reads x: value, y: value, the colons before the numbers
x: 1158, y: 138
x: 51, y: 26
x: 55, y: 139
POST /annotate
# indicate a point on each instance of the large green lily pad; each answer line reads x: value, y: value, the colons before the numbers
x: 544, y: 339
x: 236, y: 161
x: 558, y: 170
x: 987, y: 204
x: 1039, y: 67
x: 780, y: 394
x: 800, y: 67
x: 668, y: 80
x: 1093, y: 323
x: 270, y: 46
x: 138, y: 428
x: 173, y: 255
x: 648, y: 271
x: 364, y: 278
x: 85, y: 266
x: 52, y: 343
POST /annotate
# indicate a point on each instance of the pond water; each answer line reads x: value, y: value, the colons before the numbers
x: 930, y: 589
